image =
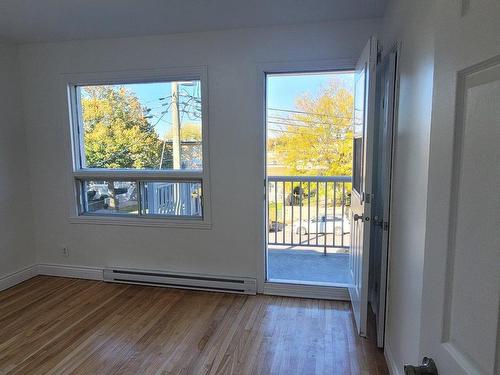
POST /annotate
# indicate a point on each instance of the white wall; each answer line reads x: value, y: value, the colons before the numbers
x: 235, y: 243
x: 16, y: 245
x: 409, y: 22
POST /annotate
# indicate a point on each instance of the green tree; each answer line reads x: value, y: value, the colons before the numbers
x: 316, y: 139
x: 117, y: 133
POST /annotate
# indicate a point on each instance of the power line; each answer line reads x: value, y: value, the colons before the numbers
x: 160, y: 118
x: 187, y: 95
x: 157, y: 99
x: 338, y: 135
x: 290, y: 131
x: 298, y: 120
x: 307, y: 128
x: 308, y: 113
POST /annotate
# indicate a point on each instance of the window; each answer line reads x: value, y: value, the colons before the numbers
x: 359, y: 131
x: 139, y: 148
x: 357, y: 160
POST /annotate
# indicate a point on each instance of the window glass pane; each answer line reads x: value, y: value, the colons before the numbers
x: 359, y: 103
x: 141, y: 126
x: 171, y: 198
x: 109, y: 197
x: 357, y: 164
x: 359, y: 129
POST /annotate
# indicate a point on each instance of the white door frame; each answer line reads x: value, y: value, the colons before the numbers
x: 263, y: 286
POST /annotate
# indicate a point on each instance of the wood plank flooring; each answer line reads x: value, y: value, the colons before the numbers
x: 53, y: 325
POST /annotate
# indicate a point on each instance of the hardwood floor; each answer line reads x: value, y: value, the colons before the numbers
x: 52, y: 325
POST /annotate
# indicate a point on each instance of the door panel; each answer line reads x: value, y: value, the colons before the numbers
x: 382, y: 177
x: 387, y: 157
x: 459, y: 325
x: 364, y: 111
x: 472, y: 291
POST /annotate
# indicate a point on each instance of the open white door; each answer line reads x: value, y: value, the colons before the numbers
x: 364, y: 115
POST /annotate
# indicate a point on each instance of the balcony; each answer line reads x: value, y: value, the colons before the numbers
x: 308, y: 229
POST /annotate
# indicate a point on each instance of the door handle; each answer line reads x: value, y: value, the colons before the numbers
x: 358, y: 217
x: 361, y: 217
x: 428, y: 367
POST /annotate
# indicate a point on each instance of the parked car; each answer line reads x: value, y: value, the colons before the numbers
x: 323, y: 224
x: 98, y: 195
x: 276, y: 226
x: 122, y: 195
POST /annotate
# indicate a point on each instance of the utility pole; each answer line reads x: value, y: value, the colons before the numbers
x: 176, y: 127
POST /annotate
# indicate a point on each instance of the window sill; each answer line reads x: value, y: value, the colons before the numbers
x: 140, y: 222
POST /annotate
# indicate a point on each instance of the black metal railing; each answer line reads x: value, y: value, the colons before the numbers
x: 310, y: 211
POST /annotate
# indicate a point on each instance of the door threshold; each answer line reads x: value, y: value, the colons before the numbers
x: 308, y: 283
x: 290, y: 288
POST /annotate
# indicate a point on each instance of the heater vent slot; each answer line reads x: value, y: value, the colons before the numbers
x: 181, y: 280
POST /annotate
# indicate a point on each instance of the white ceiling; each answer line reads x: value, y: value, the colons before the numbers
x: 27, y: 21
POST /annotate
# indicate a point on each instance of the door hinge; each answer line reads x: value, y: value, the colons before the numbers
x: 428, y: 367
x: 380, y: 222
x: 385, y: 225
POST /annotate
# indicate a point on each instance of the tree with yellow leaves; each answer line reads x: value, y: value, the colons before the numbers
x: 316, y: 138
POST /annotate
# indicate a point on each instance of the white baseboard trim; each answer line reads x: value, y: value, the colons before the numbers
x: 95, y: 273
x: 78, y: 272
x: 306, y: 291
x: 391, y: 363
x: 17, y: 277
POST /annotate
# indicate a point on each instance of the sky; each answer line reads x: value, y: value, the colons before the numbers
x: 282, y: 90
x: 157, y: 97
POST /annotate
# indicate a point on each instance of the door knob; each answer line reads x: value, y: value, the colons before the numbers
x: 358, y: 217
x: 428, y: 367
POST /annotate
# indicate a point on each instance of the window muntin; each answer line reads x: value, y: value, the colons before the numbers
x: 128, y: 163
x: 141, y: 126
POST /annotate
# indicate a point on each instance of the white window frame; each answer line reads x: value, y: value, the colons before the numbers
x: 78, y: 173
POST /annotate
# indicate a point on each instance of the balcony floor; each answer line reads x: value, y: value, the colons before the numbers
x: 308, y: 265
